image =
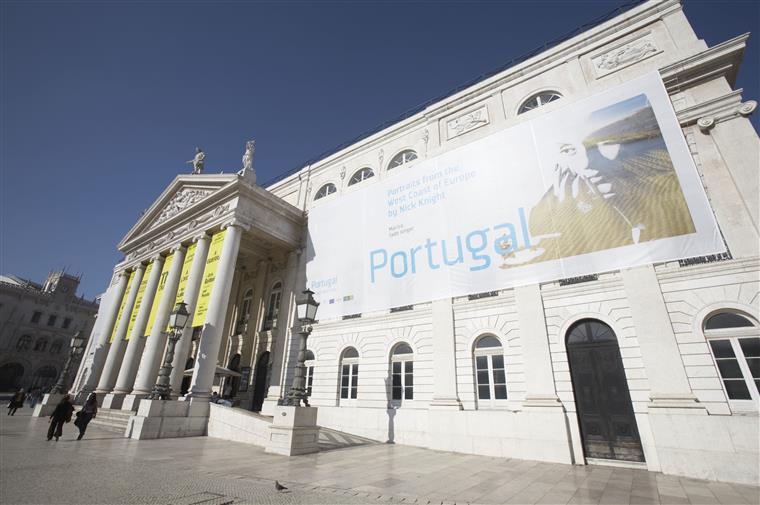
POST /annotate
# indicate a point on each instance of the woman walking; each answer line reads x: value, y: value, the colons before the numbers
x: 17, y: 402
x: 85, y: 415
x: 61, y: 414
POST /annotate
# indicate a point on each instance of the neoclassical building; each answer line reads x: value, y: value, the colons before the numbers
x: 37, y: 322
x: 651, y: 363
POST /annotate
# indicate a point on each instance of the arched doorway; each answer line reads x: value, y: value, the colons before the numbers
x: 10, y: 376
x: 44, y: 378
x: 602, y: 399
x: 260, y: 382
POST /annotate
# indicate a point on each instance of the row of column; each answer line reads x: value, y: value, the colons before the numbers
x: 127, y: 372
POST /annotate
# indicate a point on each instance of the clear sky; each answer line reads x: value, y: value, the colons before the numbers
x: 102, y: 102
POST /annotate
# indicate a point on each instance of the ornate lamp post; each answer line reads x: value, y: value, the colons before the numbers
x: 77, y: 346
x: 177, y: 321
x: 306, y: 310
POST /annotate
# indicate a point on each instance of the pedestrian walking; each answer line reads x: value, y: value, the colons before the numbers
x: 61, y: 414
x: 17, y: 402
x: 33, y: 397
x: 86, y: 414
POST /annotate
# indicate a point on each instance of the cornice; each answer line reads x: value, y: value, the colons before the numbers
x: 721, y: 60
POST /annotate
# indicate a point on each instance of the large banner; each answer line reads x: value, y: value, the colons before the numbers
x: 159, y: 291
x: 209, y: 275
x: 183, y: 277
x: 604, y: 183
x: 121, y: 305
x: 138, y: 300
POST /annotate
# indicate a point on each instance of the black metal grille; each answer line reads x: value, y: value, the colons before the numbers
x: 485, y: 294
x: 710, y: 258
x: 402, y: 308
x: 352, y: 316
x: 577, y: 280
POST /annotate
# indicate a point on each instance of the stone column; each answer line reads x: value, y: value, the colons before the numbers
x: 211, y: 338
x: 136, y: 339
x: 116, y: 352
x: 539, y: 376
x: 192, y: 289
x: 151, y: 358
x: 444, y: 357
x: 279, y: 348
x: 669, y: 386
x: 100, y: 344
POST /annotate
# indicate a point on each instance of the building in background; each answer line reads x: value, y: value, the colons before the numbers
x: 558, y: 263
x: 36, y: 326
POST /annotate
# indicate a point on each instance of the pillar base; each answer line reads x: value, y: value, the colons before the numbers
x: 270, y: 405
x: 132, y: 402
x: 681, y: 403
x: 46, y: 407
x: 293, y: 431
x: 113, y: 400
x: 168, y: 419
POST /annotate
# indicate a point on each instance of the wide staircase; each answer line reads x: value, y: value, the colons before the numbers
x: 112, y: 420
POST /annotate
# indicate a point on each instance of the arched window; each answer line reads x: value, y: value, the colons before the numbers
x: 273, y: 309
x: 402, y: 373
x: 490, y: 373
x: 361, y: 175
x: 55, y: 347
x: 735, y: 344
x: 402, y: 158
x: 327, y: 189
x: 24, y: 343
x: 539, y: 100
x: 245, y: 310
x: 40, y: 344
x: 309, y: 363
x: 349, y: 374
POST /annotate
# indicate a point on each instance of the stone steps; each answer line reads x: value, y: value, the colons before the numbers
x: 112, y: 419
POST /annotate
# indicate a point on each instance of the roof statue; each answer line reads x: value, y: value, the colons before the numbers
x: 197, y: 161
x: 247, y: 171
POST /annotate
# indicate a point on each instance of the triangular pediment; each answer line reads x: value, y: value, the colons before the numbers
x: 185, y: 193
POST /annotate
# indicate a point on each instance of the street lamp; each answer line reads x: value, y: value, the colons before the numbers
x: 177, y: 321
x: 306, y: 310
x: 76, y: 348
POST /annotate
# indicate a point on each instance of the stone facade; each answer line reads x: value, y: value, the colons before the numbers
x: 685, y: 420
x: 36, y: 326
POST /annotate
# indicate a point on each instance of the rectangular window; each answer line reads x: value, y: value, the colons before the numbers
x: 730, y: 371
x: 66, y: 323
x: 354, y: 379
x: 481, y: 373
x: 309, y: 379
x: 344, y: 381
x: 751, y: 350
x: 396, y: 380
x: 36, y: 316
x: 408, y: 380
x: 51, y: 320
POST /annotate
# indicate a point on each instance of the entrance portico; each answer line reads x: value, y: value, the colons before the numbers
x: 203, y: 239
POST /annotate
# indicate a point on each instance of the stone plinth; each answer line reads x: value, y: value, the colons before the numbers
x: 168, y: 419
x: 113, y: 401
x: 46, y: 407
x: 293, y: 431
x: 131, y: 402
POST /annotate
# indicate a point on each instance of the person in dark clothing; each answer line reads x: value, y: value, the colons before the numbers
x: 16, y: 402
x: 61, y: 414
x: 88, y: 412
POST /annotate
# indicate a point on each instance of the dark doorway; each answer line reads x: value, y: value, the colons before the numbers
x: 231, y: 384
x: 260, y: 382
x: 602, y: 399
x: 187, y: 379
x: 10, y: 376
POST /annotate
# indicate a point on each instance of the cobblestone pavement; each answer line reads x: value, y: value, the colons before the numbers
x: 106, y: 468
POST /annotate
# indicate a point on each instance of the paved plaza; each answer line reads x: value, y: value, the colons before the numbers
x: 106, y: 468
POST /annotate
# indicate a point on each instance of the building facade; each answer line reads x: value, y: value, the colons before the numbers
x: 36, y: 326
x: 653, y: 365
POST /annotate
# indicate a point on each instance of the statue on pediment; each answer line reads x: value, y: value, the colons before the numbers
x: 197, y: 161
x: 247, y: 171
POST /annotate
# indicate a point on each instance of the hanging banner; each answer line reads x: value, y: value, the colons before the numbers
x: 159, y: 290
x: 138, y: 300
x: 186, y: 265
x: 605, y: 183
x: 209, y: 274
x: 121, y: 305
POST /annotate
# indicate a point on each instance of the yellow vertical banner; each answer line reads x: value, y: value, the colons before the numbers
x: 121, y: 307
x: 138, y: 301
x: 209, y: 275
x: 183, y: 277
x: 159, y: 290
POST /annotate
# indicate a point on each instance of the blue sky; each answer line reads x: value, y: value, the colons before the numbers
x: 102, y: 103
